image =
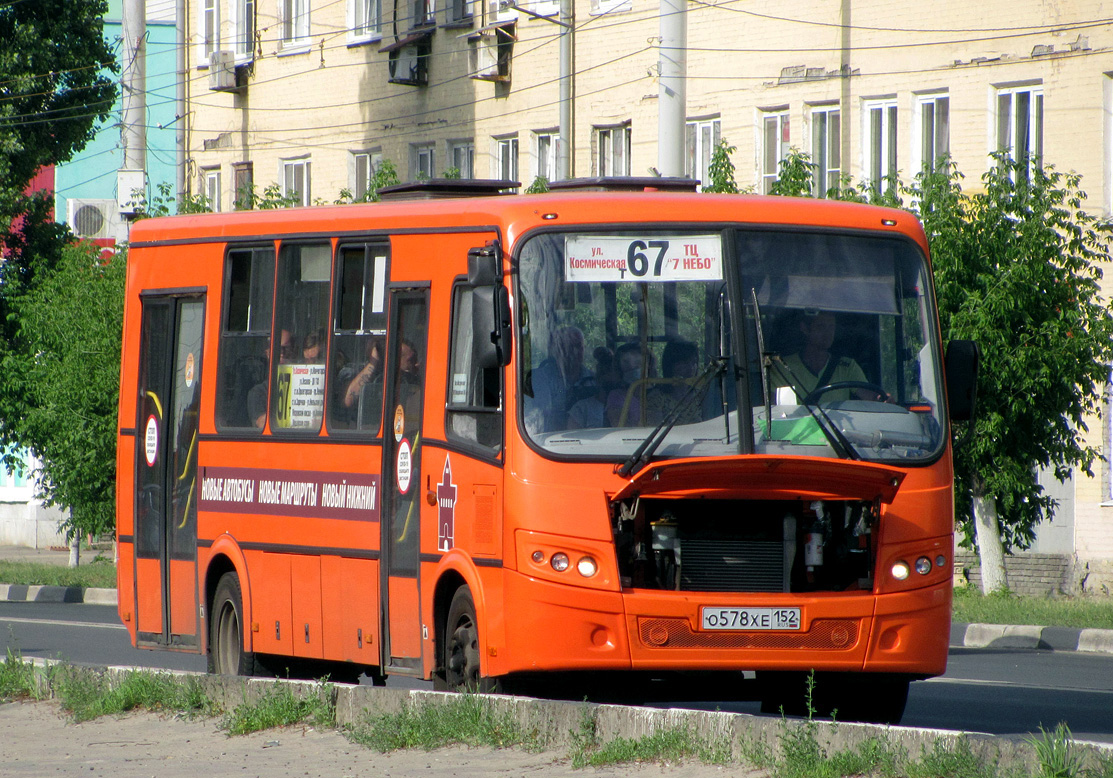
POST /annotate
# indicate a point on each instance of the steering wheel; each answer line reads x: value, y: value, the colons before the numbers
x: 819, y: 391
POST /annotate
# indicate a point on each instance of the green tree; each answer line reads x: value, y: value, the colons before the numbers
x: 721, y: 170
x: 60, y: 381
x: 1018, y: 269
x: 52, y: 77
x: 794, y: 175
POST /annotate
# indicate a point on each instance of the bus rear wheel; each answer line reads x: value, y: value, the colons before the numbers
x: 461, y: 646
x: 226, y: 652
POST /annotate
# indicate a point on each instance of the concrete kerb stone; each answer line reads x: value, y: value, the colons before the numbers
x: 69, y: 594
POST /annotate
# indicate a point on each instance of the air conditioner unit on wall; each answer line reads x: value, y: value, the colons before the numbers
x: 93, y: 219
x: 222, y: 71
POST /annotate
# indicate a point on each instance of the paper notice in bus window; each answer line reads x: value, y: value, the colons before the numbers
x: 301, y: 396
x: 630, y: 258
x: 459, y: 388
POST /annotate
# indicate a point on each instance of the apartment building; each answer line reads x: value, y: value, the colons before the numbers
x: 312, y: 95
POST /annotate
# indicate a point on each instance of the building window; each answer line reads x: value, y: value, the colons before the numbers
x: 295, y: 23
x: 506, y: 158
x: 422, y: 161
x: 545, y: 146
x: 599, y: 7
x: 243, y: 28
x: 243, y: 186
x: 775, y: 140
x: 210, y: 183
x: 1020, y: 123
x: 423, y: 13
x: 881, y: 141
x: 700, y: 139
x: 461, y: 156
x: 826, y: 144
x: 210, y: 28
x: 296, y: 180
x: 365, y: 20
x: 458, y: 11
x: 612, y: 151
x: 365, y: 164
x: 933, y: 128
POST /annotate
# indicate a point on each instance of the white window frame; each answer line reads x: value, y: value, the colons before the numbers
x: 461, y: 155
x: 208, y: 12
x: 243, y: 29
x: 210, y: 182
x: 364, y: 165
x: 505, y: 163
x: 365, y: 20
x: 931, y: 129
x: 826, y: 127
x: 1007, y: 128
x: 701, y: 136
x: 544, y: 7
x: 601, y: 7
x: 775, y: 140
x: 879, y: 140
x: 423, y: 161
x: 290, y: 171
x: 613, y: 145
x: 294, y: 28
x: 546, y: 146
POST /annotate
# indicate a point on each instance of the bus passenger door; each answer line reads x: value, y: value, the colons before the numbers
x: 401, y: 506
x: 166, y: 470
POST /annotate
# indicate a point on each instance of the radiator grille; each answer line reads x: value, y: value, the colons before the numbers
x: 836, y: 634
x: 723, y: 565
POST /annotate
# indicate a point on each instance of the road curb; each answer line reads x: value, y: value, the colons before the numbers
x: 1003, y: 636
x: 70, y: 594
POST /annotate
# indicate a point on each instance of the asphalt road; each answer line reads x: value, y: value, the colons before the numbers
x: 1003, y: 692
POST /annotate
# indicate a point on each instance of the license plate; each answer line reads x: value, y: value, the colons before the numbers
x: 750, y: 618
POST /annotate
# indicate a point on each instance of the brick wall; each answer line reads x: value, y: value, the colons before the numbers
x: 1042, y: 574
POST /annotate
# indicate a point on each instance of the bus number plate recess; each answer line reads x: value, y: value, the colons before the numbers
x: 758, y: 619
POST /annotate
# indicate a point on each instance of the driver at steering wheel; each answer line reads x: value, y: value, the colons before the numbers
x: 814, y: 366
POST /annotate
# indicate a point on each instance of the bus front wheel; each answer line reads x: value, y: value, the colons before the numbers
x: 461, y: 645
x: 226, y: 652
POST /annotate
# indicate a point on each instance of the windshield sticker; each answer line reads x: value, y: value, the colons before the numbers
x: 403, y: 467
x: 150, y: 441
x: 619, y: 258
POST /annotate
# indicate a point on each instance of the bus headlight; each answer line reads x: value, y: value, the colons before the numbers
x: 587, y: 567
x: 900, y: 571
x: 559, y: 561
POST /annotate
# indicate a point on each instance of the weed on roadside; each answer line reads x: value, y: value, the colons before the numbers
x: 954, y: 761
x: 1055, y: 753
x: 465, y: 719
x: 87, y: 695
x: 672, y: 745
x: 17, y: 679
x: 280, y: 707
x: 1102, y: 765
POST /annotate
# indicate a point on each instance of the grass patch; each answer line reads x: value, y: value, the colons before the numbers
x: 87, y: 695
x: 280, y: 707
x: 971, y: 606
x: 466, y: 719
x: 17, y: 679
x: 100, y: 573
x: 957, y: 761
x: 670, y: 746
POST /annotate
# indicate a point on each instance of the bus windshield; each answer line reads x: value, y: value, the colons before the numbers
x: 825, y: 339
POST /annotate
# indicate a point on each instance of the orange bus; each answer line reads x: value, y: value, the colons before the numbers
x: 480, y: 438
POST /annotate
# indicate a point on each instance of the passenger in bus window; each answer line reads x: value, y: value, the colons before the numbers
x: 624, y: 404
x: 561, y: 379
x: 355, y: 377
x: 313, y: 348
x: 592, y: 410
x: 257, y: 397
x: 814, y: 364
x: 679, y: 364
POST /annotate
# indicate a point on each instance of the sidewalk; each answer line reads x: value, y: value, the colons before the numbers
x: 996, y: 636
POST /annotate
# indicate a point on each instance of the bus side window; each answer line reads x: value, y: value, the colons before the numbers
x: 358, y: 345
x: 474, y: 389
x: 245, y: 338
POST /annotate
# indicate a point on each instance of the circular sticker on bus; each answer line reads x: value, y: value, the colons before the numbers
x: 399, y: 423
x: 189, y: 370
x: 403, y: 467
x: 150, y: 440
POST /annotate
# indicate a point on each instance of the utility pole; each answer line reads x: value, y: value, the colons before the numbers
x: 133, y: 86
x: 672, y: 89
x: 180, y: 97
x: 564, y: 146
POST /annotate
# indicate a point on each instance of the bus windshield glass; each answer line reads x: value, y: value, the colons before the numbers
x: 827, y: 339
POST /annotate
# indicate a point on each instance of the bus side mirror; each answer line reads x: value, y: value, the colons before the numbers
x: 485, y: 265
x: 961, y: 365
x: 491, y: 326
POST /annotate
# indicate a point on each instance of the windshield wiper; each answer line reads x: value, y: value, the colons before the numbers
x: 654, y: 439
x: 766, y: 364
x: 844, y: 449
